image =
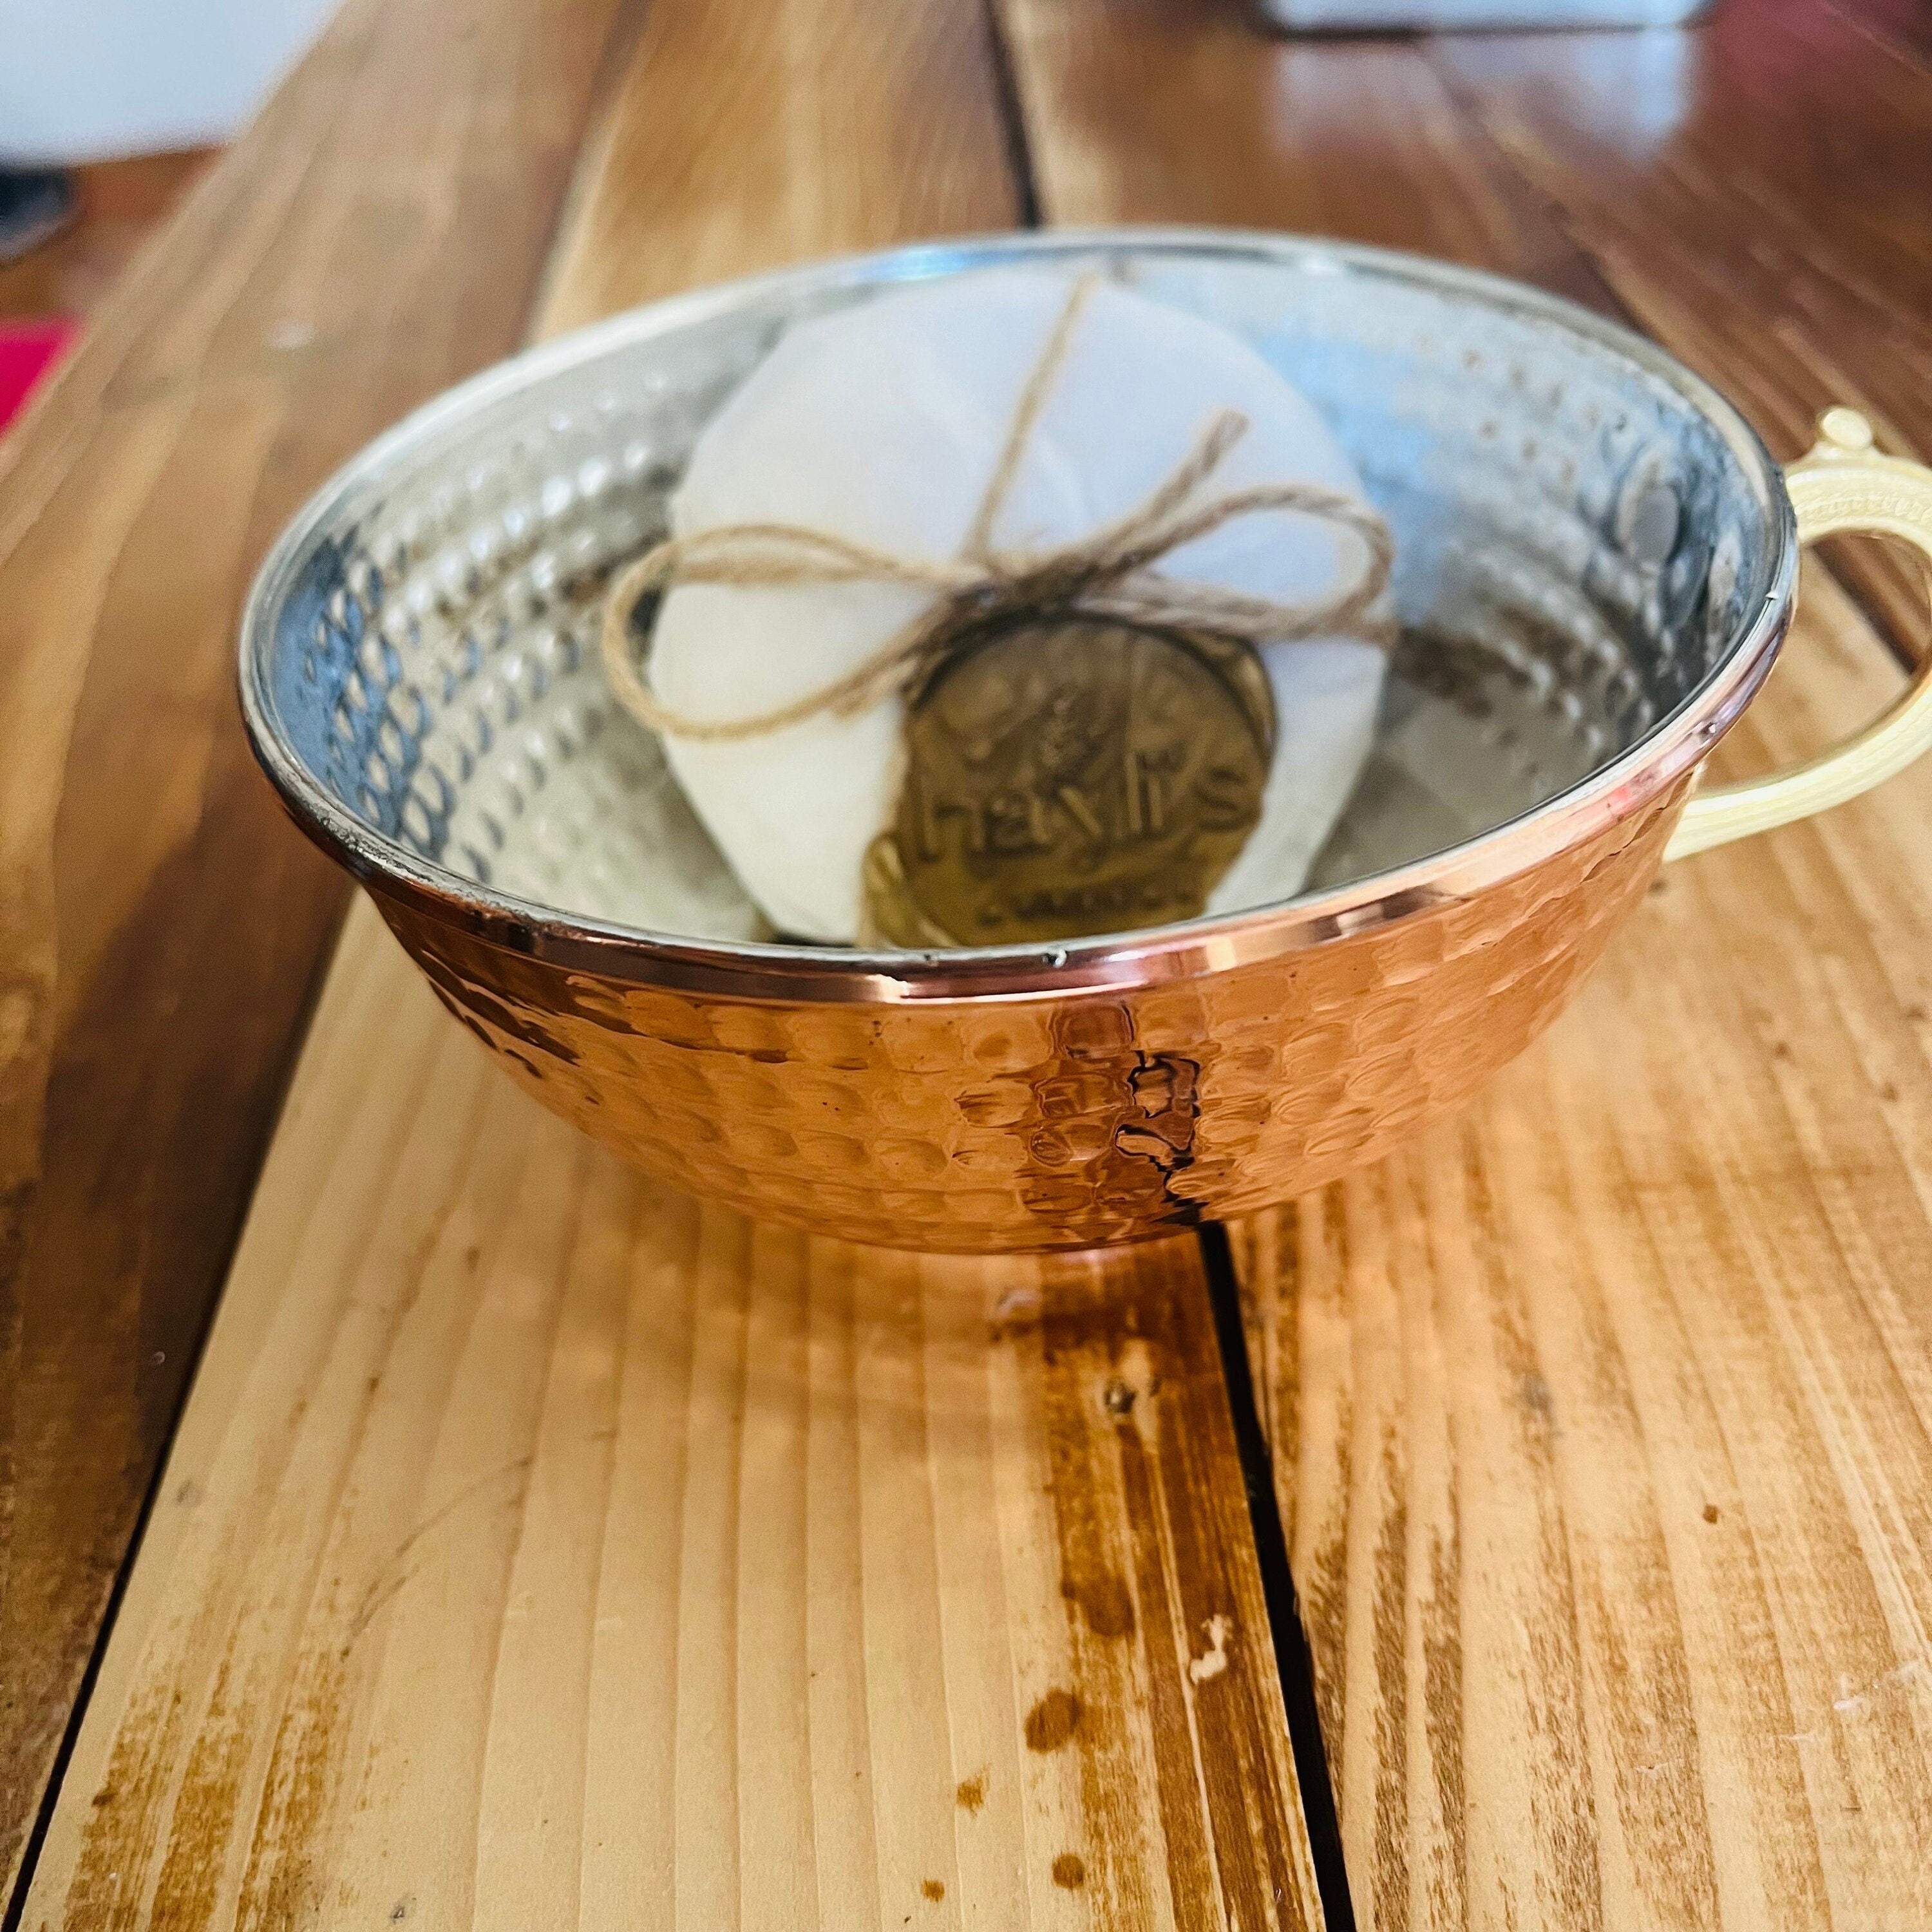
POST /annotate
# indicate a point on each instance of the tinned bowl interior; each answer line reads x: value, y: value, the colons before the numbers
x: 1583, y: 534
x: 1595, y: 559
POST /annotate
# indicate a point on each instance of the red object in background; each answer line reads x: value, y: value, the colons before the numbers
x: 27, y: 350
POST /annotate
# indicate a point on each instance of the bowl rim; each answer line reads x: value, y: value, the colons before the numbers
x: 750, y: 969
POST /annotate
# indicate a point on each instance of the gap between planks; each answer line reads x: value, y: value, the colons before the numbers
x: 375, y: 236
x: 539, y: 1546
x: 1602, y: 1416
x: 537, y: 1543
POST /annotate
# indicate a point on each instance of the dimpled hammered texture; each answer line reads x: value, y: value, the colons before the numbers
x: 1061, y: 1120
x: 1594, y: 560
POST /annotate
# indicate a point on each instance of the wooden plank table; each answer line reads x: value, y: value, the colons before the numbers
x: 536, y: 1546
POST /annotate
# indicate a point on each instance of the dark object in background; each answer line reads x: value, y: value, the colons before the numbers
x: 35, y: 205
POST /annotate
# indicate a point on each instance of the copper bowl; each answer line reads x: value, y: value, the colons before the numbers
x: 1597, y: 561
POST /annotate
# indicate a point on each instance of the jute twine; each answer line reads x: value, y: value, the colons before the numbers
x: 1108, y: 574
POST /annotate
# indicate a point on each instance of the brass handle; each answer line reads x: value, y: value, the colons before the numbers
x: 1844, y: 484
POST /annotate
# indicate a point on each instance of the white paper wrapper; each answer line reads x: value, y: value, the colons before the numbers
x: 883, y: 424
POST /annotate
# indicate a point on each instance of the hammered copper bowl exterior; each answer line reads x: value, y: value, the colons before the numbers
x: 1063, y: 1120
x: 1587, y: 519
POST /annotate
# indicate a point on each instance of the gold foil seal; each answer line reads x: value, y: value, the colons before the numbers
x: 1068, y: 776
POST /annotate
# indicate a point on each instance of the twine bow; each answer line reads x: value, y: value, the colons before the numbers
x: 1108, y: 573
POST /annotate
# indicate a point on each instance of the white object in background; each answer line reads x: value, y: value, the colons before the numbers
x: 88, y: 79
x: 1378, y: 16
x: 882, y: 423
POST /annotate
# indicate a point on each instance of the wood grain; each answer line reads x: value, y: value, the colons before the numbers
x: 1175, y: 111
x: 1901, y: 24
x: 752, y: 136
x: 1756, y: 194
x: 537, y: 1544
x: 1602, y: 1418
x: 377, y: 234
x: 541, y: 1548
x: 1759, y: 195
